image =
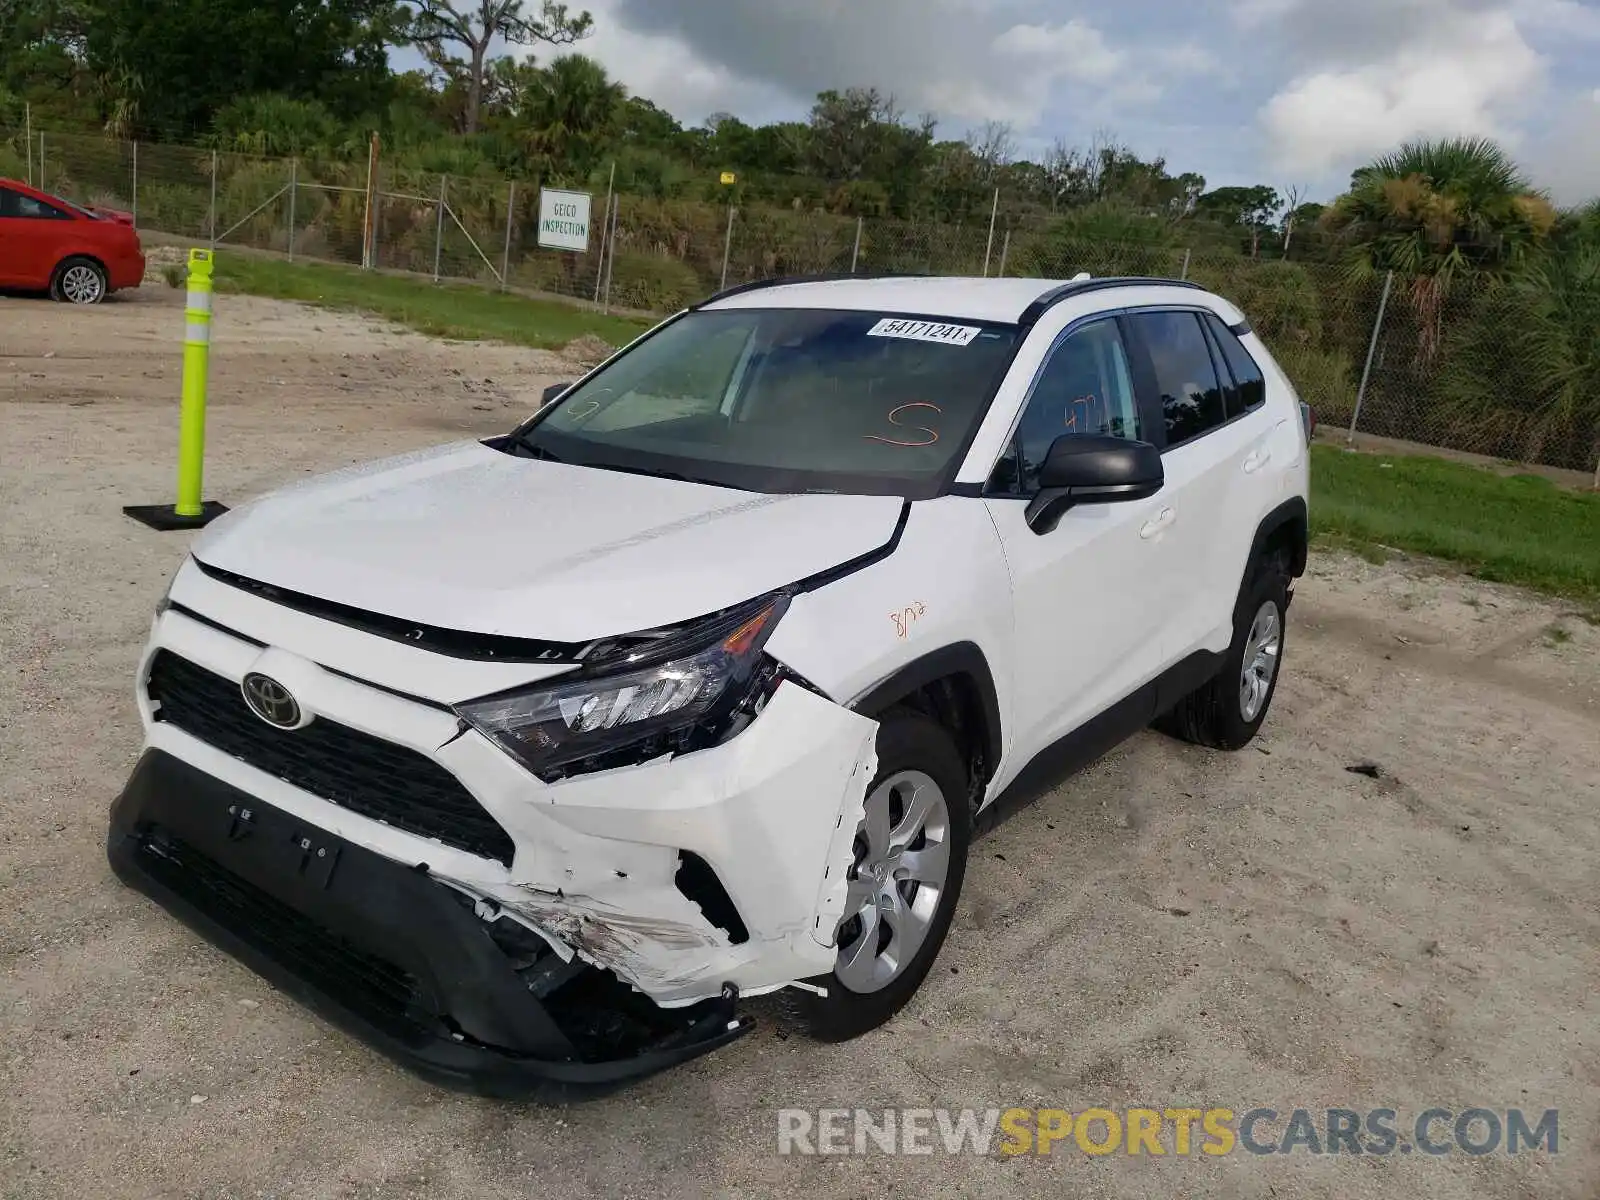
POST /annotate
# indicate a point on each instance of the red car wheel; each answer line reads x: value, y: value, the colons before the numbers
x: 79, y: 281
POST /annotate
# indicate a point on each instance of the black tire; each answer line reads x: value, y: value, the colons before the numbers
x: 1212, y: 715
x: 76, y: 262
x: 906, y: 741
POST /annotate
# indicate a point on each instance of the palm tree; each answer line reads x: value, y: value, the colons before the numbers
x: 1436, y: 210
x: 571, y: 106
x: 1580, y: 227
x: 1527, y: 367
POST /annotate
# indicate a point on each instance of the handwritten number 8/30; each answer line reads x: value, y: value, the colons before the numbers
x: 906, y: 618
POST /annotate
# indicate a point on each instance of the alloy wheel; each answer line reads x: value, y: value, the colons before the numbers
x: 81, y: 284
x: 1261, y: 652
x: 897, y: 882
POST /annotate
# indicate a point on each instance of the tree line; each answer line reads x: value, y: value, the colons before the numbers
x: 1494, y: 330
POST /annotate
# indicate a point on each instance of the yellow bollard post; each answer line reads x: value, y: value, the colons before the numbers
x: 190, y: 511
x: 196, y: 360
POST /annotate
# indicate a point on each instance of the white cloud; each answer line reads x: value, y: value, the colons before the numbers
x: 1077, y: 53
x: 1563, y: 18
x: 1566, y: 157
x: 965, y: 61
x: 1253, y: 13
x: 1469, y: 75
x: 1330, y: 82
x: 1186, y: 58
x: 665, y: 69
x: 1075, y: 50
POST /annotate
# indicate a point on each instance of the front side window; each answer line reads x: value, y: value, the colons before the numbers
x: 15, y: 204
x: 1191, y: 395
x: 1085, y: 387
x: 786, y: 400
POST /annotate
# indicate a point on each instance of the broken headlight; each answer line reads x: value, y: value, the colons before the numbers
x: 690, y: 689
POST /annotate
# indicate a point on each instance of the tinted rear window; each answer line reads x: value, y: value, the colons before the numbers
x: 1249, y: 387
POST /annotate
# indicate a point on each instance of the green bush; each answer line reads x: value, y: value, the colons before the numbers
x: 1049, y: 255
x: 12, y: 164
x: 244, y: 189
x: 770, y: 242
x: 174, y: 208
x: 274, y: 124
x: 653, y: 283
x: 1103, y: 239
x: 1280, y: 298
x: 922, y: 249
x: 1325, y: 379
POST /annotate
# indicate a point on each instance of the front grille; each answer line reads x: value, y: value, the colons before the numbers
x: 372, y: 986
x: 344, y: 766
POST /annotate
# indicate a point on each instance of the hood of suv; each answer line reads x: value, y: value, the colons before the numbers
x: 465, y: 537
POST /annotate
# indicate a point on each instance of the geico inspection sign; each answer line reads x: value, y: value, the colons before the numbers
x: 563, y: 219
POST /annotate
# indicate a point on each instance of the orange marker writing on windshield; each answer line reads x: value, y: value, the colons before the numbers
x: 933, y: 435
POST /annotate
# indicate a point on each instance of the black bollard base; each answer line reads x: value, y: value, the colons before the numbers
x: 165, y: 516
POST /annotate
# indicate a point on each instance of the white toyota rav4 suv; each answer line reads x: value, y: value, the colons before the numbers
x: 528, y: 759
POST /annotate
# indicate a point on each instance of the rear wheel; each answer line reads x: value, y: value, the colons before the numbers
x: 1227, y: 711
x: 911, y: 857
x: 79, y: 281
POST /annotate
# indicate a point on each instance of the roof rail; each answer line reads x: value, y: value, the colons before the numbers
x: 1031, y: 314
x: 1078, y: 287
x: 785, y: 280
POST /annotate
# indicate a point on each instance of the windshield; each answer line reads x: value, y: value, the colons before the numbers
x: 786, y: 400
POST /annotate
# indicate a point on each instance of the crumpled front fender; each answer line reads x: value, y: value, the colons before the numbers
x: 773, y: 812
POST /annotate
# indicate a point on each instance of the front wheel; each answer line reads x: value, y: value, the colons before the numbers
x: 911, y: 857
x: 79, y: 281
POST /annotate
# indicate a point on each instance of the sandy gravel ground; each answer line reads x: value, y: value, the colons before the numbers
x: 1172, y: 927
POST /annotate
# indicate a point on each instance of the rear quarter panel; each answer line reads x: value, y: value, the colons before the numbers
x: 1291, y: 456
x: 113, y: 246
x: 117, y: 247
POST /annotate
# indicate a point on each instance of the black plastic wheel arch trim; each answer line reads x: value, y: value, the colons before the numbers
x: 1291, y: 512
x: 958, y: 658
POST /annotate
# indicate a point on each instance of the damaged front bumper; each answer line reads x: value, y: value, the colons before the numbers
x: 388, y: 952
x: 598, y: 929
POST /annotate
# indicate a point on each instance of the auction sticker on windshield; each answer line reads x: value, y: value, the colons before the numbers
x: 924, y: 331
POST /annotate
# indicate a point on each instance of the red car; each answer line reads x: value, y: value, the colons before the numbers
x: 79, y: 255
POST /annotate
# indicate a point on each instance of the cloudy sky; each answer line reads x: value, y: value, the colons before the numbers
x: 1286, y: 92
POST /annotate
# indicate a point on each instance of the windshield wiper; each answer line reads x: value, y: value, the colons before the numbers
x: 523, y: 441
x: 658, y: 473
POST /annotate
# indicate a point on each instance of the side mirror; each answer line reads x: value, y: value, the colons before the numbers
x: 1092, y: 470
x: 553, y: 392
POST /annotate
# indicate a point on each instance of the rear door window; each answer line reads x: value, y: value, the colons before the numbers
x: 1249, y: 388
x: 1186, y: 378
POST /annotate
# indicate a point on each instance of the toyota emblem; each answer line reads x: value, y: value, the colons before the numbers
x: 271, y: 701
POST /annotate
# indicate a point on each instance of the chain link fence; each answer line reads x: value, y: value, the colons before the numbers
x: 1506, y: 369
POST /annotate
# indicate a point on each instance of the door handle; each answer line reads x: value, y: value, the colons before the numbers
x: 1255, y: 460
x: 1157, y: 523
